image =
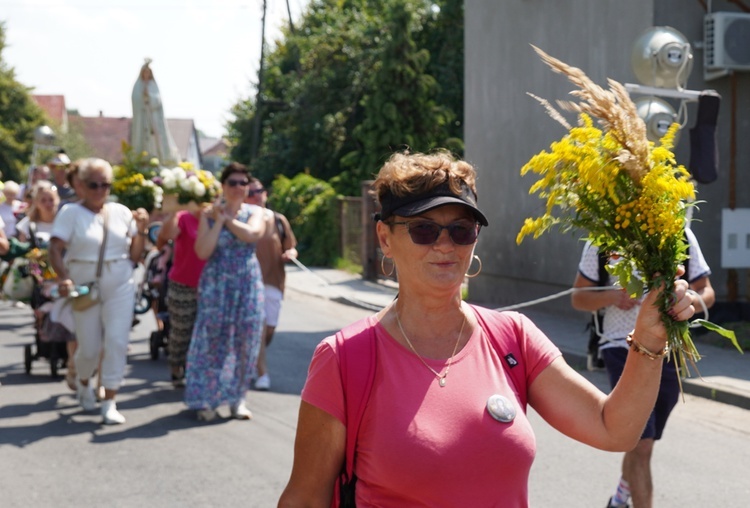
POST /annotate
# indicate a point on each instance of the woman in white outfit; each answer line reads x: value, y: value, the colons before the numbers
x: 78, y: 232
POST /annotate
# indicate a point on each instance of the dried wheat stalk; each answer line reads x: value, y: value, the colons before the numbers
x: 612, y: 108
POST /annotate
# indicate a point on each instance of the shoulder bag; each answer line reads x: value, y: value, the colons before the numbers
x: 91, y: 298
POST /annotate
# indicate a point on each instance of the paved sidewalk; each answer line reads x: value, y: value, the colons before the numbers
x: 725, y: 373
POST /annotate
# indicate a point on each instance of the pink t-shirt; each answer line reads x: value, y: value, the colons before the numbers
x: 423, y: 445
x: 186, y: 266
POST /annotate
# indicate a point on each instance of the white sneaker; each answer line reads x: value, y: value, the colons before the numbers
x: 110, y: 414
x: 85, y: 396
x: 241, y: 412
x: 263, y: 382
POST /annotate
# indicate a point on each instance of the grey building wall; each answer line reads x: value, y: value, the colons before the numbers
x: 504, y: 127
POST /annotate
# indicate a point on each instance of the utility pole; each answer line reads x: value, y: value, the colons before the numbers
x: 289, y: 13
x: 258, y: 99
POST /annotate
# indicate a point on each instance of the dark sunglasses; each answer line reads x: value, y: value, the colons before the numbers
x: 423, y: 232
x: 253, y: 192
x: 98, y: 185
x: 235, y: 183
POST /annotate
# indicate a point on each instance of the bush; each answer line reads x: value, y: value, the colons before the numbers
x: 311, y: 206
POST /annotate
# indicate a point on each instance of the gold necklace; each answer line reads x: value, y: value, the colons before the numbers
x: 441, y: 378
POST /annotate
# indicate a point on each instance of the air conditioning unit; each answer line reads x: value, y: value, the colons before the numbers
x: 726, y: 41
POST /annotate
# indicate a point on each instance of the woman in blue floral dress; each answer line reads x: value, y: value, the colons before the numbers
x: 226, y: 337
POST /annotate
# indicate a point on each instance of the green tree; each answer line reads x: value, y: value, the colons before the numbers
x: 399, y: 107
x: 19, y: 116
x: 335, y: 87
x: 443, y: 37
x: 311, y: 205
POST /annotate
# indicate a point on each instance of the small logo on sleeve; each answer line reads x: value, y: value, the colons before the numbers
x: 511, y: 360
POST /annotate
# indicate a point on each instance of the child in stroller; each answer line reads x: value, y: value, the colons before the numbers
x: 52, y: 321
x: 157, y: 263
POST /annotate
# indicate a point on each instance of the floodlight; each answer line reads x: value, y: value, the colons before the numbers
x: 662, y: 57
x: 44, y: 135
x: 658, y: 115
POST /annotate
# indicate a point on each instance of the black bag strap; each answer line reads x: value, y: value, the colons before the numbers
x: 32, y: 234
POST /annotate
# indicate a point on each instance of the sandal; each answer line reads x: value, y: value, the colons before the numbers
x: 178, y: 381
x: 206, y: 415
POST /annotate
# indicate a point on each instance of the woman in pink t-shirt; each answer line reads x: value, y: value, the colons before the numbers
x: 445, y: 418
x: 181, y: 229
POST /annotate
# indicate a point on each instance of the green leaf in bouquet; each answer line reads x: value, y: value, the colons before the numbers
x: 727, y: 334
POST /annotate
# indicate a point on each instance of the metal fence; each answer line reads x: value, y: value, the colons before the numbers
x: 359, y: 243
x: 350, y: 215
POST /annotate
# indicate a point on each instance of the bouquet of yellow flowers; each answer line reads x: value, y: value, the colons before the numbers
x: 628, y: 194
x: 132, y: 185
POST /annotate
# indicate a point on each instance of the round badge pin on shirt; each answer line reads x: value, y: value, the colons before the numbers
x: 501, y: 409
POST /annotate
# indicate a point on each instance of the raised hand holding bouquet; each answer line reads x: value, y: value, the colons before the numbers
x: 629, y: 194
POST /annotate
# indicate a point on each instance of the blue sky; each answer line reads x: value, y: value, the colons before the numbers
x: 205, y: 52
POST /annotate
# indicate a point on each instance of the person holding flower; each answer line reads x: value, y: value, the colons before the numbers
x: 229, y: 324
x: 79, y: 231
x: 620, y: 314
x: 181, y: 228
x: 449, y: 382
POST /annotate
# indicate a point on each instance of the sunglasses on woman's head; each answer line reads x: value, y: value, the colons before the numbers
x: 425, y: 232
x: 98, y: 185
x: 235, y: 183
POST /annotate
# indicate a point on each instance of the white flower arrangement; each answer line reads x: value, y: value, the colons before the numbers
x: 188, y: 184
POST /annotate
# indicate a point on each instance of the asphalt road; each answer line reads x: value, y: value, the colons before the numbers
x: 52, y: 454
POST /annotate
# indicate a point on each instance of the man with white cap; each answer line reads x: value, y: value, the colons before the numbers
x: 59, y: 167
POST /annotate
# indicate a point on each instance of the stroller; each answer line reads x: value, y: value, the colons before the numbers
x: 50, y: 337
x: 158, y: 263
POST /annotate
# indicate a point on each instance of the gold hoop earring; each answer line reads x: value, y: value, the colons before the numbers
x: 478, y: 269
x: 382, y: 267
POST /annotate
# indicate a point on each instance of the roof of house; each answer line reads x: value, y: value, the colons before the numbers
x: 104, y: 135
x: 214, y: 146
x: 53, y: 105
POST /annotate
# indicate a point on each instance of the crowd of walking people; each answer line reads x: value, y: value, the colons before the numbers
x: 90, y: 245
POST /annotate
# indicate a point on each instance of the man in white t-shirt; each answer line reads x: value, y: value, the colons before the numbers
x: 620, y: 312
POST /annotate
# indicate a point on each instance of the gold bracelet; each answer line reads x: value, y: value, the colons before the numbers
x: 636, y: 346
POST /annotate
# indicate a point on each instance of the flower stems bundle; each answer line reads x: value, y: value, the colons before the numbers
x: 629, y: 194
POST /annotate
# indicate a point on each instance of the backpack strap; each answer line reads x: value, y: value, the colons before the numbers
x: 280, y: 229
x: 357, y: 359
x: 686, y: 263
x: 602, y: 273
x: 32, y: 235
x: 502, y: 333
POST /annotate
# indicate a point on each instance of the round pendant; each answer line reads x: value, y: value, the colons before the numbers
x: 500, y: 408
x: 442, y: 382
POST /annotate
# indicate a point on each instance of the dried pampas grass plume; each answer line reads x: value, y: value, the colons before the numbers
x: 612, y: 108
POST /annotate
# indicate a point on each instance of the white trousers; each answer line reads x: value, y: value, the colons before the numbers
x: 106, y: 324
